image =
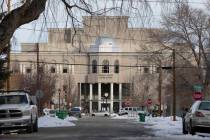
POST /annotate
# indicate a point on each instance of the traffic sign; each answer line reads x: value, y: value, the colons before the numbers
x: 39, y: 94
x: 149, y: 101
x: 198, y: 88
x: 197, y: 96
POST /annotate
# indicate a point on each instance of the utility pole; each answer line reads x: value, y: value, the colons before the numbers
x: 38, y: 77
x: 8, y: 51
x: 174, y: 86
x: 160, y: 88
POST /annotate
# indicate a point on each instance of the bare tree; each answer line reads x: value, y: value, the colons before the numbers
x: 70, y: 90
x: 189, y: 26
x: 47, y: 85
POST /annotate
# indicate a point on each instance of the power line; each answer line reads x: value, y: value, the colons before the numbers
x: 128, y: 66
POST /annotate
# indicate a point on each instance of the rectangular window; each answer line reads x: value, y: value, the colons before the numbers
x: 52, y: 70
x: 65, y: 70
x: 28, y: 70
x: 146, y: 70
x: 116, y: 69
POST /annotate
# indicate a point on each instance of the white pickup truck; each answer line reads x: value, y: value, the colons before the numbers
x: 17, y: 111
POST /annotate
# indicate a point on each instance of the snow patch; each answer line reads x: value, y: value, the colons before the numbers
x: 70, y: 118
x: 165, y: 126
x: 47, y: 121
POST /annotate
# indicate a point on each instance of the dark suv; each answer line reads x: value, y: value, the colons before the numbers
x: 75, y: 111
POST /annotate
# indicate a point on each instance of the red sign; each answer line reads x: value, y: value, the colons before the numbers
x: 197, y: 96
x: 149, y: 101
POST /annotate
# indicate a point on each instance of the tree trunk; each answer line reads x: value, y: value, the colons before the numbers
x: 26, y: 13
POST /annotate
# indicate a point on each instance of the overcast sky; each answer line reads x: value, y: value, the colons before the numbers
x: 30, y: 33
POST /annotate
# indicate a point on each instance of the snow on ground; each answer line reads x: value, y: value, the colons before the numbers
x: 47, y: 121
x: 71, y: 118
x: 163, y: 126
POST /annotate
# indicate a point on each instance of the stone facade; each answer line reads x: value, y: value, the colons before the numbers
x: 104, y: 56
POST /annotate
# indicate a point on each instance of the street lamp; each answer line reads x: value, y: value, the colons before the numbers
x: 106, y: 96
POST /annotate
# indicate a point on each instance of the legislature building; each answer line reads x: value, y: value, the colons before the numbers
x: 104, y: 64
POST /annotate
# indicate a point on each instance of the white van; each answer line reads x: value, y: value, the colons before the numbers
x: 129, y: 110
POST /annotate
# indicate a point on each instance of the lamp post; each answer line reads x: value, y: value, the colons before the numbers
x: 59, y: 99
x: 106, y: 96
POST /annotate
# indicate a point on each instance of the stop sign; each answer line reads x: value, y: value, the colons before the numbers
x: 197, y: 96
x: 149, y: 101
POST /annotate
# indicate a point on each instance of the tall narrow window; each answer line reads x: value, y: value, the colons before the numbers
x: 105, y: 66
x: 116, y: 66
x: 94, y: 66
x: 66, y: 67
x: 146, y: 70
x: 52, y: 69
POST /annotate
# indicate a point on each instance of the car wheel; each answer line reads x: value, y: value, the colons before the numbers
x: 192, y: 129
x: 35, y: 126
x: 184, y: 128
x: 105, y: 115
x: 29, y: 128
x: 93, y: 115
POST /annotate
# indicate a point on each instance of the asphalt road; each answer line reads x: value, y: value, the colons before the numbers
x: 90, y: 128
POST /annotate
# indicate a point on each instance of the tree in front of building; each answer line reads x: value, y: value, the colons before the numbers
x: 47, y: 84
x: 4, y: 74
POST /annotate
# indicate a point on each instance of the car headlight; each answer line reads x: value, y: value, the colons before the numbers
x: 26, y: 113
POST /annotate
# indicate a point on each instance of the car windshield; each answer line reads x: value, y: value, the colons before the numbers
x: 204, y: 106
x: 13, y: 99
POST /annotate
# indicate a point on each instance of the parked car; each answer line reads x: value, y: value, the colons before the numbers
x: 128, y: 110
x: 197, y: 117
x: 17, y: 111
x: 49, y: 112
x: 75, y: 111
x: 101, y: 114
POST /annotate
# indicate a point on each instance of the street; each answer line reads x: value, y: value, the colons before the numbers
x: 91, y: 128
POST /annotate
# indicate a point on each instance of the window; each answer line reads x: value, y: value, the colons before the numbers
x: 105, y: 66
x: 65, y: 70
x: 116, y: 66
x: 65, y: 87
x: 94, y: 66
x: 204, y: 106
x: 66, y: 66
x: 146, y: 70
x: 28, y: 70
x: 41, y: 69
x: 158, y: 70
x: 52, y: 69
x: 67, y: 36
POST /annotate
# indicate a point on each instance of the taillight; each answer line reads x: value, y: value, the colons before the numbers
x: 199, y: 114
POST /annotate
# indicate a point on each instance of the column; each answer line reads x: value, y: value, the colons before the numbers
x: 111, y: 101
x: 24, y: 69
x: 90, y: 97
x: 99, y: 96
x: 120, y: 95
x: 57, y: 69
x: 61, y: 69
